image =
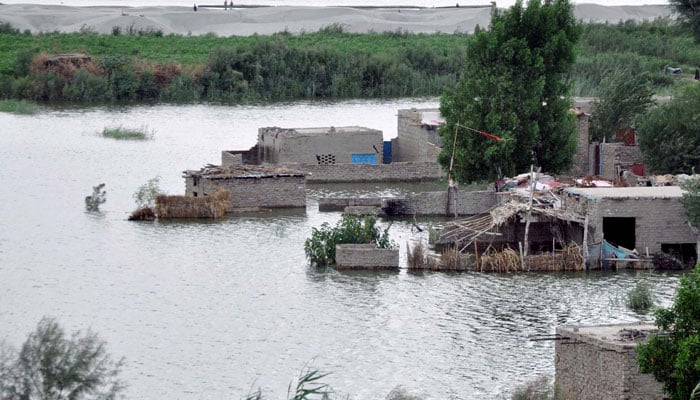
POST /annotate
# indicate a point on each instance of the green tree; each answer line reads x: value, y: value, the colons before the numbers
x: 53, y: 366
x: 514, y: 85
x: 146, y: 194
x: 688, y: 11
x: 624, y: 96
x: 669, y: 135
x: 673, y: 355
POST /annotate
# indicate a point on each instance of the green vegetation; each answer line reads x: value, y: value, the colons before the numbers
x: 513, y: 86
x: 98, y: 196
x: 121, y: 133
x: 23, y: 107
x: 146, y: 194
x: 542, y: 388
x: 640, y: 299
x: 673, y: 355
x: 320, y: 247
x: 689, y: 12
x: 623, y: 97
x: 691, y: 199
x: 669, y: 135
x: 53, y: 366
x: 146, y: 65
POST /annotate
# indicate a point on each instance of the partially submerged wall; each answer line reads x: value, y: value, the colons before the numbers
x: 394, y: 172
x: 264, y: 192
x: 597, y: 363
x: 442, y: 203
x: 365, y: 256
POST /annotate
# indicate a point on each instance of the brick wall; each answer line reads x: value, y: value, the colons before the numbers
x: 414, y: 142
x: 365, y: 256
x: 618, y: 155
x: 436, y: 203
x: 594, y: 366
x: 581, y: 158
x: 270, y: 192
x: 657, y: 220
x: 394, y: 172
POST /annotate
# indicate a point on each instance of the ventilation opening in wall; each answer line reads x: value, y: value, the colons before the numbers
x: 620, y: 231
x: 325, y: 159
x: 685, y: 252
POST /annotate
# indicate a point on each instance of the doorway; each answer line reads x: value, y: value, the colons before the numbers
x: 620, y: 231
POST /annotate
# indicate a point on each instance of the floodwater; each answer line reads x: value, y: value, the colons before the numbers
x: 217, y: 309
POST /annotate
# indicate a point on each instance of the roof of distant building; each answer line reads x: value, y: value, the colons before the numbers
x: 628, y: 192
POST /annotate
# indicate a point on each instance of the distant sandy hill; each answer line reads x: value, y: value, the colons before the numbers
x: 268, y: 20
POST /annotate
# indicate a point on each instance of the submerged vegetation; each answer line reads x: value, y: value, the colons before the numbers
x: 136, y: 65
x: 122, y: 133
x: 98, y: 196
x: 320, y: 247
x: 23, y: 107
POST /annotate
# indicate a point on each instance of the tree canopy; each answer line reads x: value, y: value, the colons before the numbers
x: 669, y: 135
x: 674, y: 356
x: 515, y: 86
x: 53, y: 366
x: 688, y: 10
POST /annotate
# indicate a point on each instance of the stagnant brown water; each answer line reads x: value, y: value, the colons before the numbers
x: 212, y: 310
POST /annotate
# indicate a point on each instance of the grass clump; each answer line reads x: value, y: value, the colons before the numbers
x: 22, y: 107
x: 640, y: 299
x: 122, y: 133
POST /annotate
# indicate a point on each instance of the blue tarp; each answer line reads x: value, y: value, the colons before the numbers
x: 596, y: 256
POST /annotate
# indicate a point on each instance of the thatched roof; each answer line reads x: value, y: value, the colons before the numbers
x: 243, y: 171
x: 465, y: 231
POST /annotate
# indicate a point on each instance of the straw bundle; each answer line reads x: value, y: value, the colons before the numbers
x: 506, y: 260
x: 567, y: 259
x: 193, y: 207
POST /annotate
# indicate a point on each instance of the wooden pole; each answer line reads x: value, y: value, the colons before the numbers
x: 476, y: 253
x: 529, y: 208
x: 585, y: 243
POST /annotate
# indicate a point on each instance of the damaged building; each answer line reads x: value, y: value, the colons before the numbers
x: 249, y: 186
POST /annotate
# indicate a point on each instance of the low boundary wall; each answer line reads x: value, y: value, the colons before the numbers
x: 394, y: 172
x: 365, y: 256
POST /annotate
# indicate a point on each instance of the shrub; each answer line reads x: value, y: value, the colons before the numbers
x: 19, y: 107
x: 53, y: 366
x: 146, y: 194
x: 539, y: 389
x: 320, y: 247
x: 640, y: 299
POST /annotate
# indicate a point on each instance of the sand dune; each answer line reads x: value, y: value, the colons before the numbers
x: 268, y: 20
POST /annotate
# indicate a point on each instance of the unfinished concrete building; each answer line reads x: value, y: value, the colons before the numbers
x: 417, y: 136
x: 250, y: 186
x: 332, y: 145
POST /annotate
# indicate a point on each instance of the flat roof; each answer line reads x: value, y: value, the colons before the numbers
x: 628, y: 192
x: 318, y: 131
x: 613, y: 336
x: 243, y: 171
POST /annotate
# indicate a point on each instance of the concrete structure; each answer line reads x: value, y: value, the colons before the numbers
x: 250, y: 186
x: 609, y: 160
x: 420, y: 204
x: 582, y: 157
x: 394, y: 172
x: 600, y: 363
x: 321, y: 146
x: 365, y: 256
x: 417, y: 136
x: 642, y: 218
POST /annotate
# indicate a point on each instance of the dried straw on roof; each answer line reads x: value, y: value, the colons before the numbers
x: 243, y: 171
x: 193, y: 207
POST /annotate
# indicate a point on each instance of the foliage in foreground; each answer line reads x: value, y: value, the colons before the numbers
x: 513, y: 86
x: 320, y: 247
x: 23, y: 107
x: 539, y: 389
x: 673, y: 355
x: 669, y: 135
x: 98, y: 196
x: 122, y: 133
x: 53, y: 366
x: 640, y: 299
